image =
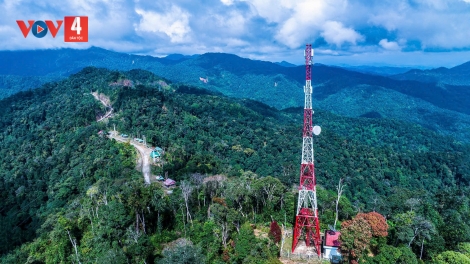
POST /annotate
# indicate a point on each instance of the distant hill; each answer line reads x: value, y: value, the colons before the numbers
x: 179, y: 57
x: 458, y: 75
x: 440, y: 106
x: 285, y: 64
x: 383, y: 71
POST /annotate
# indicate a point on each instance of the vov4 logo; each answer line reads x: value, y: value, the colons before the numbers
x: 75, y: 28
x: 40, y: 28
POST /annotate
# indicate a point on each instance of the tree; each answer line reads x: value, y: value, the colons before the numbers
x: 390, y: 254
x: 413, y: 203
x: 68, y: 226
x: 410, y: 226
x: 220, y: 215
x: 356, y: 234
x: 270, y: 191
x: 159, y: 201
x: 451, y: 257
x: 456, y: 229
x: 186, y: 190
x: 339, y: 188
x: 182, y: 252
x: 244, y: 242
x: 464, y: 248
x: 239, y: 192
x: 275, y: 232
x: 377, y: 223
x: 197, y: 179
x: 355, y: 238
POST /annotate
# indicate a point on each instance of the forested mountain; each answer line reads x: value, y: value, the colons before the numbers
x: 379, y: 70
x: 439, y: 105
x: 458, y: 75
x: 285, y: 64
x: 68, y: 194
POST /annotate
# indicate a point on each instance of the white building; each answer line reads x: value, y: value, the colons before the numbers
x: 331, y: 246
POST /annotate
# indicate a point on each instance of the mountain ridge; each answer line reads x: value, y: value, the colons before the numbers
x: 267, y: 82
x: 457, y: 75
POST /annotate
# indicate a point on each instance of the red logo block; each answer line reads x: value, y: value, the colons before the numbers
x: 76, y: 29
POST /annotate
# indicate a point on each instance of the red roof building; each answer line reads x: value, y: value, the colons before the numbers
x: 331, y: 238
x: 169, y: 182
x: 331, y: 246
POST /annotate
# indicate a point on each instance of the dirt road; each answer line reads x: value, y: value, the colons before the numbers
x: 143, y: 150
x: 144, y: 155
x: 105, y: 101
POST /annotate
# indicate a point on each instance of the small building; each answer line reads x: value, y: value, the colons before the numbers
x: 331, y: 246
x: 157, y: 149
x: 159, y: 178
x: 156, y: 154
x: 124, y: 135
x: 169, y: 182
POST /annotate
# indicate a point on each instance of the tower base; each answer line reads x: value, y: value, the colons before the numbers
x: 306, y: 221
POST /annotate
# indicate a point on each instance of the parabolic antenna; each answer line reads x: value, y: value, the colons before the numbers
x: 316, y: 130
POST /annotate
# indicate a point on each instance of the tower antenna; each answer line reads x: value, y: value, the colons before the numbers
x: 306, y: 219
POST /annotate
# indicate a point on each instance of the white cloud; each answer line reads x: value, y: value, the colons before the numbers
x: 227, y: 2
x: 435, y: 4
x: 389, y: 21
x: 232, y: 23
x: 274, y: 11
x: 437, y: 24
x: 298, y: 21
x: 173, y: 23
x: 389, y: 45
x: 301, y: 21
x: 326, y: 52
x: 335, y: 33
x: 248, y: 27
x: 234, y: 42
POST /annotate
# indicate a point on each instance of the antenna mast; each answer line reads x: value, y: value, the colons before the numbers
x: 306, y: 219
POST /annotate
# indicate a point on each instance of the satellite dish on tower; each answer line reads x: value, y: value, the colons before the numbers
x: 316, y: 130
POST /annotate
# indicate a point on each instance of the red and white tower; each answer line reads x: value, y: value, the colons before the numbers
x: 306, y: 219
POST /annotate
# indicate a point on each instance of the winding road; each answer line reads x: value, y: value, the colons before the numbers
x: 106, y: 104
x: 143, y: 150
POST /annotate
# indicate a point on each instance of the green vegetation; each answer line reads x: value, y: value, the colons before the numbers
x: 439, y: 105
x: 457, y: 75
x: 11, y: 84
x: 69, y: 195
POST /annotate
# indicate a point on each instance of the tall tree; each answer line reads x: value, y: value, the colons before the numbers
x: 339, y: 190
x: 377, y: 223
x: 355, y: 238
x: 275, y: 232
x: 186, y: 190
x: 411, y: 226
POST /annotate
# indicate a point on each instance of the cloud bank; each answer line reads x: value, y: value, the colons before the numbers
x: 341, y: 31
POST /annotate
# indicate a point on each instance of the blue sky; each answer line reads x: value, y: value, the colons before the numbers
x: 424, y: 33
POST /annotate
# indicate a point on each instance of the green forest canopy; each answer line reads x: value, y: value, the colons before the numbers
x: 61, y: 182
